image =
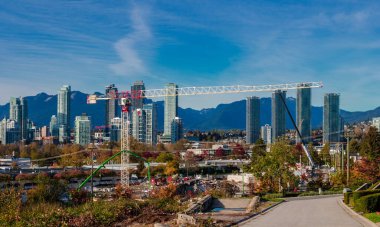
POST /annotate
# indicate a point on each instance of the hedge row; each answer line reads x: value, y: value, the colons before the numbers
x: 351, y: 197
x: 368, y: 203
x: 357, y: 195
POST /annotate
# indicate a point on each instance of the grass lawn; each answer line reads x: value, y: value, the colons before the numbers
x: 374, y: 217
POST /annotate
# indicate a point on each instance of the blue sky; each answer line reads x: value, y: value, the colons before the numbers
x: 90, y: 44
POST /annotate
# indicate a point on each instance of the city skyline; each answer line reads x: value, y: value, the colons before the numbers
x: 191, y: 44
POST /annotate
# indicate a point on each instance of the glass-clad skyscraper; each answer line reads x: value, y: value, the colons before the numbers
x: 83, y: 130
x: 137, y: 97
x: 63, y: 112
x: 111, y: 106
x: 278, y: 114
x: 171, y: 107
x: 252, y: 119
x: 331, y: 118
x: 18, y: 112
x: 304, y: 113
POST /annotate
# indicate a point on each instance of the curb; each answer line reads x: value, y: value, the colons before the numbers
x: 362, y: 220
x: 254, y: 215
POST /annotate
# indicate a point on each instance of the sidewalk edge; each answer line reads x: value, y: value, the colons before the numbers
x: 362, y: 220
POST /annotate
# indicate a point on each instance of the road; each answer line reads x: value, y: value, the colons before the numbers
x: 307, y: 212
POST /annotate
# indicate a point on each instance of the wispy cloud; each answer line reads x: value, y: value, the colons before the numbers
x: 133, y: 49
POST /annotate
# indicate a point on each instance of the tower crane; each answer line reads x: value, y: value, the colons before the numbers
x: 126, y: 97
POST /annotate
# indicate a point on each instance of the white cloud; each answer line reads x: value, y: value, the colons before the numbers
x: 133, y: 49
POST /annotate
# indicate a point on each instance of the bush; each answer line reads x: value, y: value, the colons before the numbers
x: 46, y: 190
x: 368, y: 203
x: 79, y: 197
x: 167, y: 204
x: 4, y: 177
x: 347, y: 196
x: 273, y: 196
x: 10, y: 206
x: 357, y: 195
x: 25, y: 176
x: 42, y: 214
x: 291, y: 194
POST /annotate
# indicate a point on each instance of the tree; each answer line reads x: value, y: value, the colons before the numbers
x: 165, y: 157
x: 259, y: 149
x: 181, y: 145
x: 366, y: 170
x: 370, y: 146
x: 238, y: 151
x: 172, y: 168
x: 190, y: 161
x: 219, y: 152
x: 73, y: 155
x: 314, y: 154
x: 275, y: 169
x: 160, y: 147
x: 325, y: 153
x: 354, y: 146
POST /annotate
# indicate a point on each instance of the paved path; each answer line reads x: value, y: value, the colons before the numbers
x: 321, y: 212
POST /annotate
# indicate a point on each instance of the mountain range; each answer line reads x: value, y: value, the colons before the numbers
x: 225, y: 116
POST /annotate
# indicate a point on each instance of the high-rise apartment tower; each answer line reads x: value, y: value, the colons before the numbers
x: 137, y: 97
x: 171, y: 108
x: 252, y: 119
x: 111, y: 106
x: 63, y: 112
x: 331, y: 118
x: 304, y: 113
x: 278, y: 114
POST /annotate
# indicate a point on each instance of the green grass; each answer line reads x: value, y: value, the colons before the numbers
x: 277, y: 200
x: 374, y: 217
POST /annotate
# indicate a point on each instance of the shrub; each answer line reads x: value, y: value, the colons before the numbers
x: 273, y: 196
x: 10, y: 206
x: 4, y: 177
x: 168, y: 191
x: 78, y: 197
x: 164, y: 204
x: 368, y: 203
x: 291, y: 194
x: 101, y: 213
x: 42, y: 214
x: 106, y: 173
x: 357, y: 195
x: 347, y: 197
x: 25, y: 176
x: 121, y: 192
x: 46, y: 190
x: 74, y: 173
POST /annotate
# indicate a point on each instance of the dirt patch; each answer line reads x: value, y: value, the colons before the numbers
x: 148, y: 217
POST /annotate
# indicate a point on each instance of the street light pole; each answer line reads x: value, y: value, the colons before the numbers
x: 348, y: 160
x: 92, y: 147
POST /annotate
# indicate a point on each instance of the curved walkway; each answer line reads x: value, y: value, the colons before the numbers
x: 321, y: 212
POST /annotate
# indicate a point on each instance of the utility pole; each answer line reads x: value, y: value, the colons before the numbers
x: 348, y: 135
x: 348, y: 160
x: 91, y: 147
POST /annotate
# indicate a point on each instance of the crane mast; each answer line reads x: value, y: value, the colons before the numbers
x: 125, y: 102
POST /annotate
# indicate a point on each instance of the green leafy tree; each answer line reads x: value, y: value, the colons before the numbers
x: 275, y: 169
x: 73, y: 155
x: 325, y: 153
x: 260, y: 148
x: 314, y: 154
x: 165, y: 157
x: 354, y: 146
x: 370, y: 146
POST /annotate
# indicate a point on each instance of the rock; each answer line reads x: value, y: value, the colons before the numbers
x: 186, y: 219
x: 255, y: 202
